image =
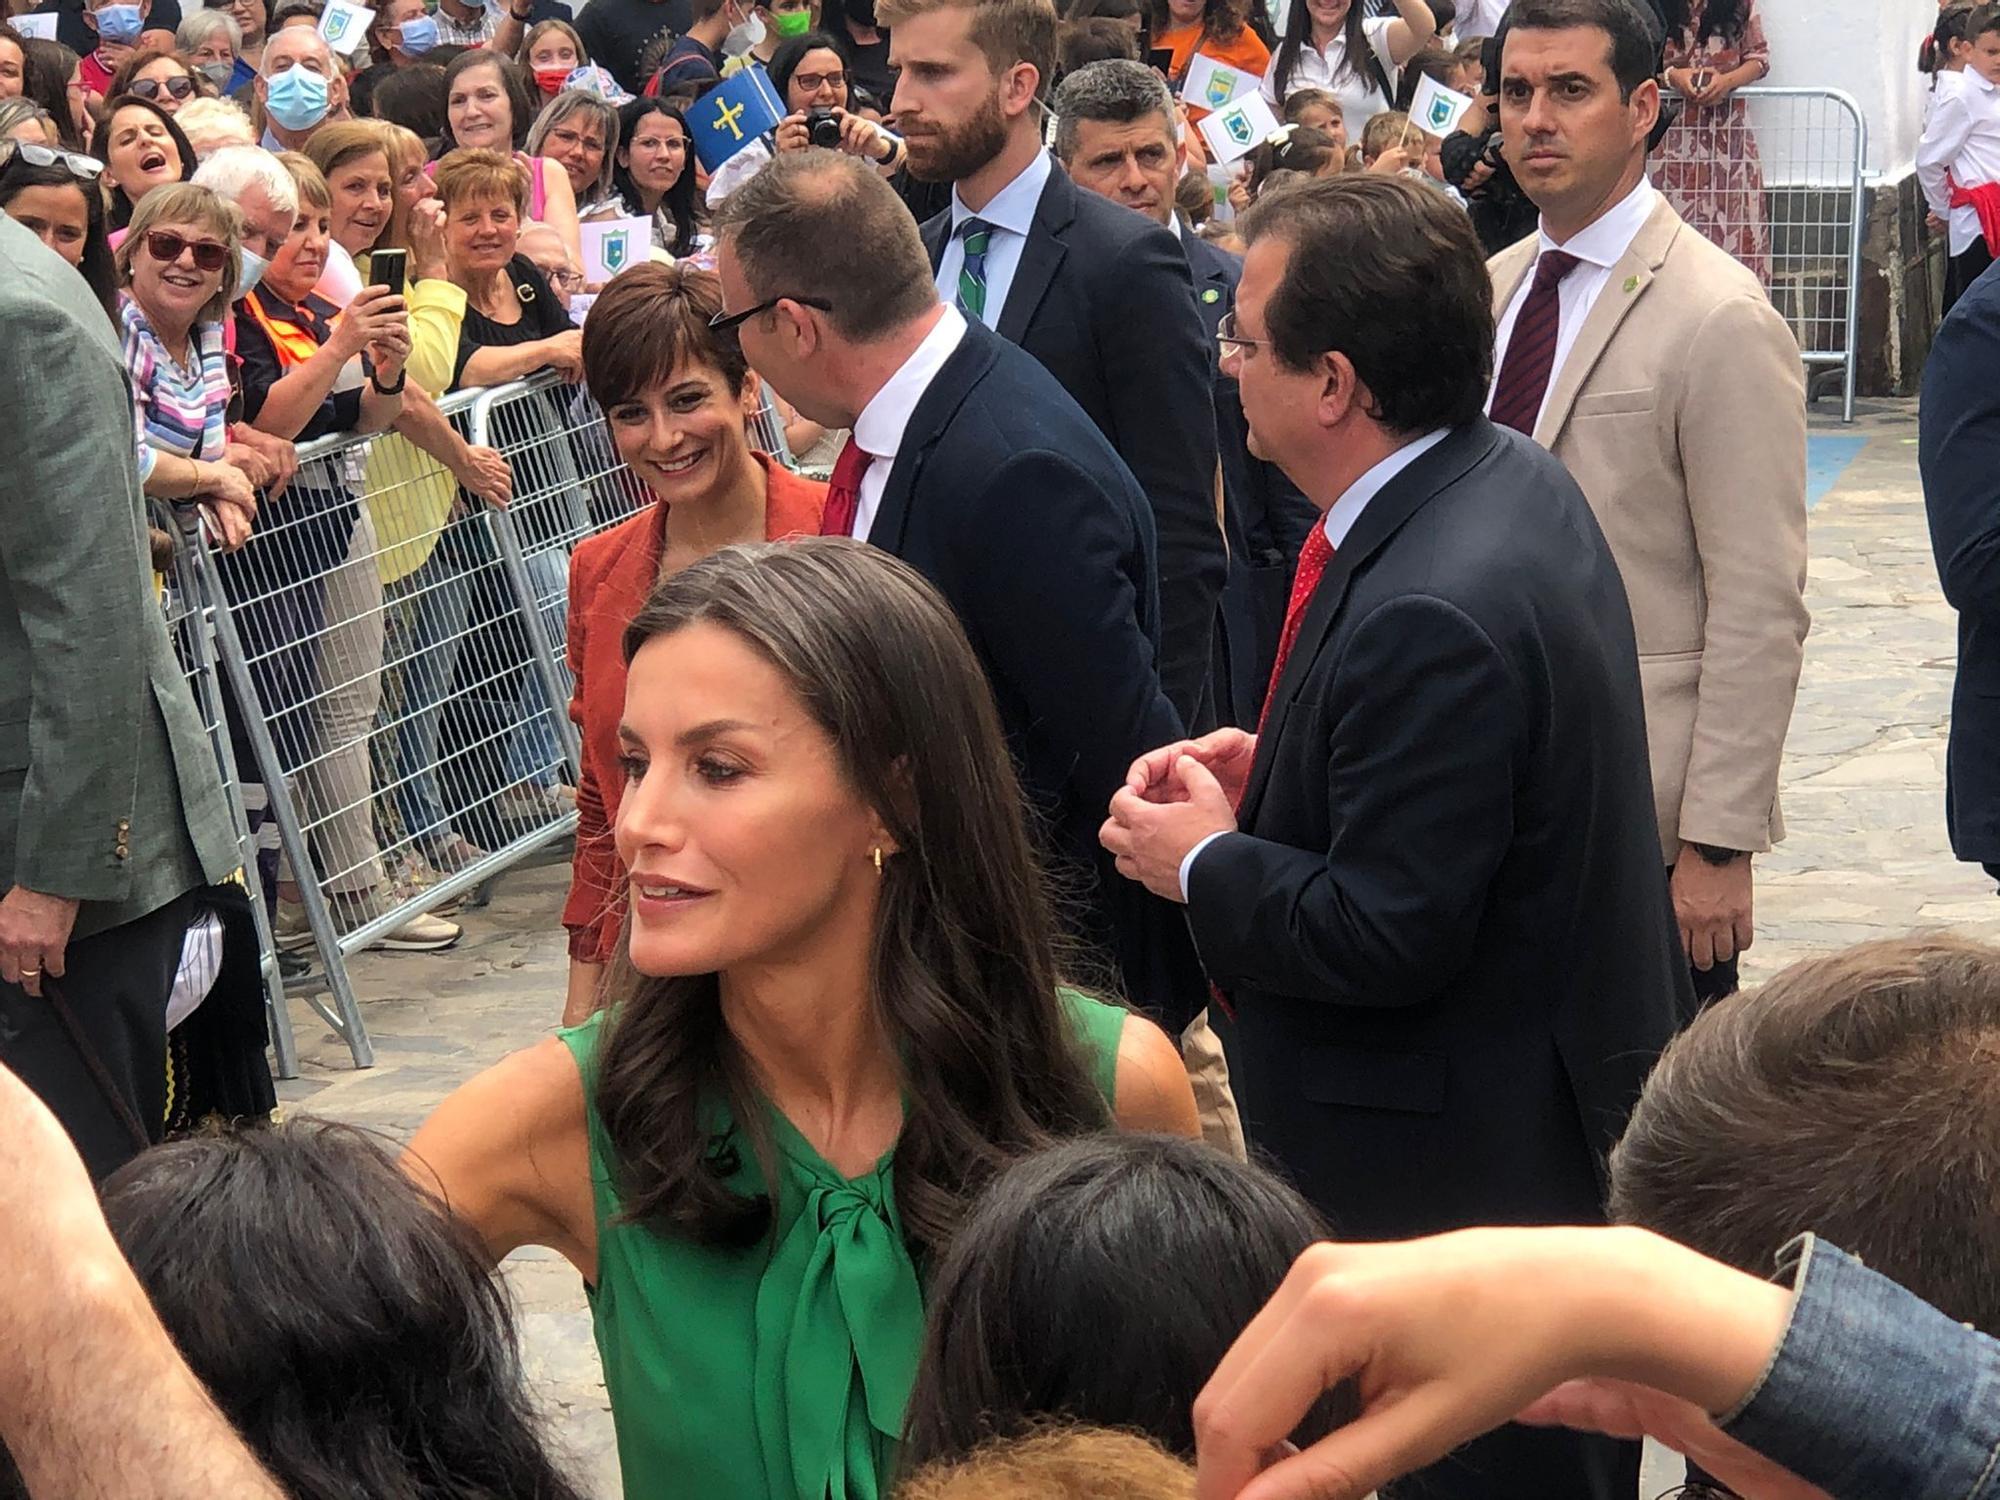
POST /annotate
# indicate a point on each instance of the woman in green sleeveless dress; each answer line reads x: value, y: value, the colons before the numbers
x: 839, y: 1015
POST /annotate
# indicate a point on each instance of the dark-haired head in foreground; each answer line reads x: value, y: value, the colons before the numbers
x: 1101, y: 1281
x: 356, y: 1337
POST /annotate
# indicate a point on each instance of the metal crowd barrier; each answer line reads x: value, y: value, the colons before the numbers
x: 1775, y: 175
x: 396, y: 702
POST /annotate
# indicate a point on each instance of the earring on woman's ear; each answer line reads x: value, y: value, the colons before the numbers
x: 878, y: 859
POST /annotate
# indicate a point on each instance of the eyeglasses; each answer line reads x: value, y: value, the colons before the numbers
x: 83, y: 168
x: 723, y: 322
x: 565, y: 278
x: 1233, y: 342
x: 151, y: 88
x: 812, y: 83
x: 166, y: 247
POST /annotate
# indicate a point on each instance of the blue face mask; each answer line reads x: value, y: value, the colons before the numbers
x: 419, y: 36
x: 120, y: 23
x: 254, y: 267
x: 296, y: 98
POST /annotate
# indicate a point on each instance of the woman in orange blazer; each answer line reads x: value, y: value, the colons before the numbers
x: 676, y: 398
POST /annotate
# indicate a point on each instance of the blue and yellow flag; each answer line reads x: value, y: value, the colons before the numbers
x: 731, y: 116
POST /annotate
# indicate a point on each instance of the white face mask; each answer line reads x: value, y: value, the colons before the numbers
x: 743, y: 37
x: 254, y: 267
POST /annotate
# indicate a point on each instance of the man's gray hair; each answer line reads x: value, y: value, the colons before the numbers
x: 1116, y: 91
x: 235, y: 168
x: 196, y: 29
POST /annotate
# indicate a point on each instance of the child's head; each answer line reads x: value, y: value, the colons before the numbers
x: 1471, y: 65
x: 1982, y: 30
x: 1049, y: 1303
x: 1298, y: 152
x: 1317, y: 109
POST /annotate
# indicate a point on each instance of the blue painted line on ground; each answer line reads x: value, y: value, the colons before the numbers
x: 1827, y: 458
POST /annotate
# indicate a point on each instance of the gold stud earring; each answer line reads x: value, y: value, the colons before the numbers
x: 878, y: 859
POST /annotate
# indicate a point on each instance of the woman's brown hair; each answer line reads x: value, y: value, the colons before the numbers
x: 650, y: 322
x: 964, y: 967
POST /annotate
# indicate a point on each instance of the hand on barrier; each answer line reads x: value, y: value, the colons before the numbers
x: 269, y: 461
x: 230, y: 499
x: 485, y: 473
x: 563, y: 353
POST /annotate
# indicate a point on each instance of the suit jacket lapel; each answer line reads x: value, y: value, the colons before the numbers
x: 936, y: 231
x: 933, y: 413
x: 1400, y: 499
x: 1041, y: 257
x: 1626, y: 285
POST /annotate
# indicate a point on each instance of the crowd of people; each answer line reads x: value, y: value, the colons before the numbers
x: 1234, y: 722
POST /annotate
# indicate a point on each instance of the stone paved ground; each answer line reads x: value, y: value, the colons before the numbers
x: 1866, y: 857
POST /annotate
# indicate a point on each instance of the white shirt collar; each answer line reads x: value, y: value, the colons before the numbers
x: 878, y: 430
x: 1344, y: 512
x: 1604, y: 241
x: 1972, y: 78
x: 1013, y: 207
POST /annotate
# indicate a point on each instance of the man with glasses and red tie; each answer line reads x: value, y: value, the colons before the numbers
x: 971, y: 464
x: 1425, y: 889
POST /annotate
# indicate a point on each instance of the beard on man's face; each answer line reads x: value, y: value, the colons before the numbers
x: 954, y: 153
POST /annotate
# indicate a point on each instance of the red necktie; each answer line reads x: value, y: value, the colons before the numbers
x: 843, y: 491
x: 1313, y: 558
x: 1531, y: 352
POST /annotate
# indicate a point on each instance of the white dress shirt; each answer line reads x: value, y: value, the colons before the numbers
x: 1337, y: 523
x: 1478, y: 18
x: 1360, y: 99
x: 878, y: 430
x: 1962, y: 137
x: 1600, y: 245
x: 1012, y: 215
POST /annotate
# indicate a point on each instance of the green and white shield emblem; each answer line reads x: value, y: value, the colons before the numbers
x: 1221, y: 88
x: 616, y: 246
x: 1439, y: 119
x: 1239, y: 128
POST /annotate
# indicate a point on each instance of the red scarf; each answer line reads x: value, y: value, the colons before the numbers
x: 1985, y: 201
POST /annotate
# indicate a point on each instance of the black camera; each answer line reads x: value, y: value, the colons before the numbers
x: 823, y: 128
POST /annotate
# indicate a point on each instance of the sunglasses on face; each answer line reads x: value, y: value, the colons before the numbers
x: 81, y: 167
x: 166, y: 248
x: 723, y: 322
x: 152, y: 88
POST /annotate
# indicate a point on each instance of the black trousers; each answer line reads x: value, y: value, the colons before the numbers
x: 116, y: 985
x: 1961, y: 270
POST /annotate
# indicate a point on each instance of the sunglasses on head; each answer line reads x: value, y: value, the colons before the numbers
x: 151, y: 88
x: 166, y: 247
x: 36, y: 155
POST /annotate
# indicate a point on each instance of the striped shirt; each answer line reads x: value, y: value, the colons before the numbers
x: 176, y: 409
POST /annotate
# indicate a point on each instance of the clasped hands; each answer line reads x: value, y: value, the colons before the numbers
x: 1173, y: 798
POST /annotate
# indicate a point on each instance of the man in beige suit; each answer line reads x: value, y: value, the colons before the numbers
x: 1654, y: 366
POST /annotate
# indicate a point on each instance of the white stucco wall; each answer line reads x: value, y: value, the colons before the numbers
x: 1867, y: 48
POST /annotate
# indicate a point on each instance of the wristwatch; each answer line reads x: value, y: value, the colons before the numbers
x: 402, y: 379
x: 1715, y: 854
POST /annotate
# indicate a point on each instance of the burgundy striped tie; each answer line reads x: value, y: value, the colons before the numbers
x: 1531, y: 352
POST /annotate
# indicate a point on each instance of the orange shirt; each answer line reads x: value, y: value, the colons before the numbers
x: 1245, y: 52
x: 610, y: 575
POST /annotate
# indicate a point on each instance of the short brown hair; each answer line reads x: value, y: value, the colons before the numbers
x: 1387, y: 272
x: 308, y: 179
x: 1005, y: 31
x: 334, y: 145
x: 777, y: 226
x: 651, y: 321
x: 466, y: 174
x: 1064, y: 1463
x: 1855, y: 1095
x: 187, y: 203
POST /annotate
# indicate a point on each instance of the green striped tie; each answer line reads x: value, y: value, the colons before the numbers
x: 972, y: 274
